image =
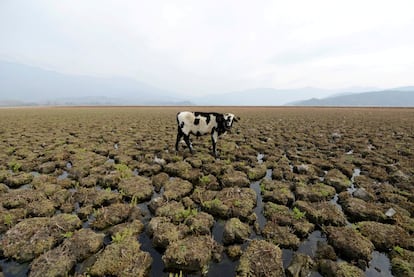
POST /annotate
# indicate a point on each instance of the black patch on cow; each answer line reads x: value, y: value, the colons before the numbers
x: 208, y: 118
x: 196, y: 121
x: 221, y: 128
x: 206, y: 115
x: 198, y: 134
x: 182, y: 125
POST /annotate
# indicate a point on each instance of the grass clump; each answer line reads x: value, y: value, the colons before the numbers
x: 14, y: 166
x: 398, y: 249
x: 68, y: 235
x: 121, y: 235
x: 124, y: 170
x: 185, y: 213
x: 205, y: 180
x: 297, y: 214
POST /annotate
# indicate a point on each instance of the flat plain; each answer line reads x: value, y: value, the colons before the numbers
x: 100, y: 191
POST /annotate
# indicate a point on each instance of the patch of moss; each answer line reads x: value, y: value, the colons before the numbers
x: 125, y: 171
x: 398, y: 249
x: 33, y: 236
x: 204, y: 180
x: 111, y: 215
x: 297, y: 214
x: 212, y: 204
x: 261, y: 258
x: 121, y: 235
x: 191, y: 254
x: 124, y: 258
x: 14, y: 166
x: 184, y: 214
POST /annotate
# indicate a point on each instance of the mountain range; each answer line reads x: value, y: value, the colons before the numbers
x: 397, y: 97
x: 30, y: 85
x: 23, y: 85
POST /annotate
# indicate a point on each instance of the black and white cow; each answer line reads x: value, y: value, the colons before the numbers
x: 201, y: 123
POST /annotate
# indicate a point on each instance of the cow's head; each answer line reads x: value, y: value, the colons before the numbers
x: 229, y: 118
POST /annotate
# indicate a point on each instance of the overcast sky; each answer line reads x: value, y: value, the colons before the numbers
x: 213, y: 46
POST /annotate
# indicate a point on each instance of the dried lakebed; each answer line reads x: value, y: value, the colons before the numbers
x: 295, y: 192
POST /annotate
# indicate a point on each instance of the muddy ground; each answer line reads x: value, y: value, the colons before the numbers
x: 295, y: 192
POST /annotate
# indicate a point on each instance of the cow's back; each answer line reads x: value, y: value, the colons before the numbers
x: 197, y: 123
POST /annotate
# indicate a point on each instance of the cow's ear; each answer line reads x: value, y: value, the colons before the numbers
x: 236, y: 119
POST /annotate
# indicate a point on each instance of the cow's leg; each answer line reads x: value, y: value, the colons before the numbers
x: 214, y: 136
x: 188, y: 142
x: 179, y: 136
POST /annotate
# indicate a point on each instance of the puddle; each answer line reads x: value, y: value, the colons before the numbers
x: 35, y: 173
x: 380, y: 265
x: 218, y: 230
x: 309, y: 246
x: 145, y: 211
x: 135, y: 172
x: 287, y: 256
x: 86, y: 224
x: 261, y: 220
x: 356, y: 173
x: 157, y: 268
x: 350, y: 190
x: 225, y: 267
x: 86, y: 264
x: 334, y: 201
x: 107, y: 240
x: 69, y: 165
x: 260, y: 157
x: 27, y: 186
x: 15, y: 269
x: 268, y: 174
x: 64, y: 175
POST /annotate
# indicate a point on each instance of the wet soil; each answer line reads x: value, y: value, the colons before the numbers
x: 295, y: 191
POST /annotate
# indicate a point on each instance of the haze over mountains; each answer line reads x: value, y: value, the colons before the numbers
x: 397, y: 97
x: 31, y: 85
x: 26, y: 85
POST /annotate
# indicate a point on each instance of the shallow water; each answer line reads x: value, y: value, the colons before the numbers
x: 380, y: 265
x: 218, y: 229
x: 64, y: 175
x: 356, y: 173
x: 259, y: 206
x: 309, y: 246
x: 225, y: 267
x: 260, y: 157
x: 157, y: 268
x: 35, y: 173
x: 14, y: 269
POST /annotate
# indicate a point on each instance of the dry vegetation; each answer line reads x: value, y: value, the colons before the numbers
x: 87, y: 184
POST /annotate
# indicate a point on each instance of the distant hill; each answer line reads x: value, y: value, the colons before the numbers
x: 398, y: 97
x: 260, y: 97
x: 28, y: 85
